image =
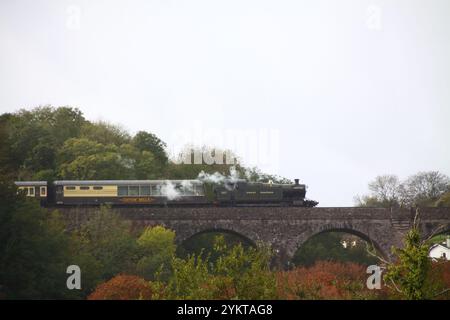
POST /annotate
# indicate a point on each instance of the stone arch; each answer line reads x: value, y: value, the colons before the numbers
x: 299, y: 240
x: 432, y: 229
x: 185, y: 232
x: 220, y: 230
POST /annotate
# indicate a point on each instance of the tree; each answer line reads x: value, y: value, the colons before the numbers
x: 256, y: 175
x: 444, y: 200
x: 157, y: 249
x: 34, y: 248
x: 384, y: 192
x: 145, y: 141
x: 244, y: 271
x: 84, y: 159
x: 36, y: 135
x: 411, y: 274
x: 421, y: 189
x: 103, y: 247
x: 424, y: 188
x: 238, y: 273
x: 123, y: 287
x: 7, y: 163
x: 105, y: 133
x: 326, y: 280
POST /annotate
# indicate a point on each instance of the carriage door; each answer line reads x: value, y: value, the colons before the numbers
x: 37, y: 192
x: 59, y: 194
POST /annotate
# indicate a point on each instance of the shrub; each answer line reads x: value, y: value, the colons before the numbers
x: 325, y: 280
x: 123, y: 287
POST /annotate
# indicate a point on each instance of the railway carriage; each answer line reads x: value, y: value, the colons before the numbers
x: 34, y: 189
x: 156, y: 192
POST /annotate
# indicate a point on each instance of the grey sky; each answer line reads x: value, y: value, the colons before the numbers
x: 349, y: 89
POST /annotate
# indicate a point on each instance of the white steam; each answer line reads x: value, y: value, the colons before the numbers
x: 174, y: 191
x: 218, y: 178
x: 170, y: 191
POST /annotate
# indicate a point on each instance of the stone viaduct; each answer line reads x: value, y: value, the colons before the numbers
x: 284, y: 228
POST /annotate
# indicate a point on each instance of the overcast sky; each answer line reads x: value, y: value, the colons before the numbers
x: 331, y: 92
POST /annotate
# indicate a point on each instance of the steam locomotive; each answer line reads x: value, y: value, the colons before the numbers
x: 166, y: 193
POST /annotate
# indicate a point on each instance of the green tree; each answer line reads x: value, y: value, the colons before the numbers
x: 34, y: 248
x: 157, y: 249
x: 145, y: 141
x: 238, y: 273
x: 103, y: 246
x: 105, y: 133
x: 189, y: 279
x: 84, y: 159
x: 35, y: 136
x: 247, y: 268
x: 410, y: 275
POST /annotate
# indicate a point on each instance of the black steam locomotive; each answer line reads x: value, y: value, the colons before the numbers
x: 166, y: 193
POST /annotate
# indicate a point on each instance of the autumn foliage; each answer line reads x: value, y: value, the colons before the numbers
x: 439, y: 279
x: 325, y: 280
x: 123, y: 287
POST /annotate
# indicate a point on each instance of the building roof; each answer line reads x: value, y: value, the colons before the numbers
x: 439, y: 245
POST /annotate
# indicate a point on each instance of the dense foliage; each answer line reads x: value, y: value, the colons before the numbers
x: 326, y: 280
x: 123, y: 287
x: 34, y: 249
x: 49, y: 143
x: 413, y: 275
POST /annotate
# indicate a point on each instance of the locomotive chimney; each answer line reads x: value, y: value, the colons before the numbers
x: 296, y: 181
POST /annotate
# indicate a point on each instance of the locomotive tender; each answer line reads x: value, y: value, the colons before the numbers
x: 166, y: 193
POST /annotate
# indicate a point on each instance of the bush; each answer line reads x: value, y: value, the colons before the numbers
x: 325, y: 280
x: 123, y: 287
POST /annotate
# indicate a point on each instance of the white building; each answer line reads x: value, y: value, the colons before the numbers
x: 439, y: 251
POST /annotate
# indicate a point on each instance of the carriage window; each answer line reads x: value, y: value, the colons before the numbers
x: 98, y: 188
x: 26, y: 190
x: 144, y: 190
x: 188, y: 190
x: 156, y: 190
x: 84, y: 188
x: 123, y: 191
x: 43, y: 191
x: 133, y: 190
x: 70, y: 188
x: 32, y: 191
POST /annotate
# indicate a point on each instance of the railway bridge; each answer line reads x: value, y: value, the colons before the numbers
x: 284, y: 228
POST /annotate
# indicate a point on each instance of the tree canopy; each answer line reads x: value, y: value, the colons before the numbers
x: 421, y: 189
